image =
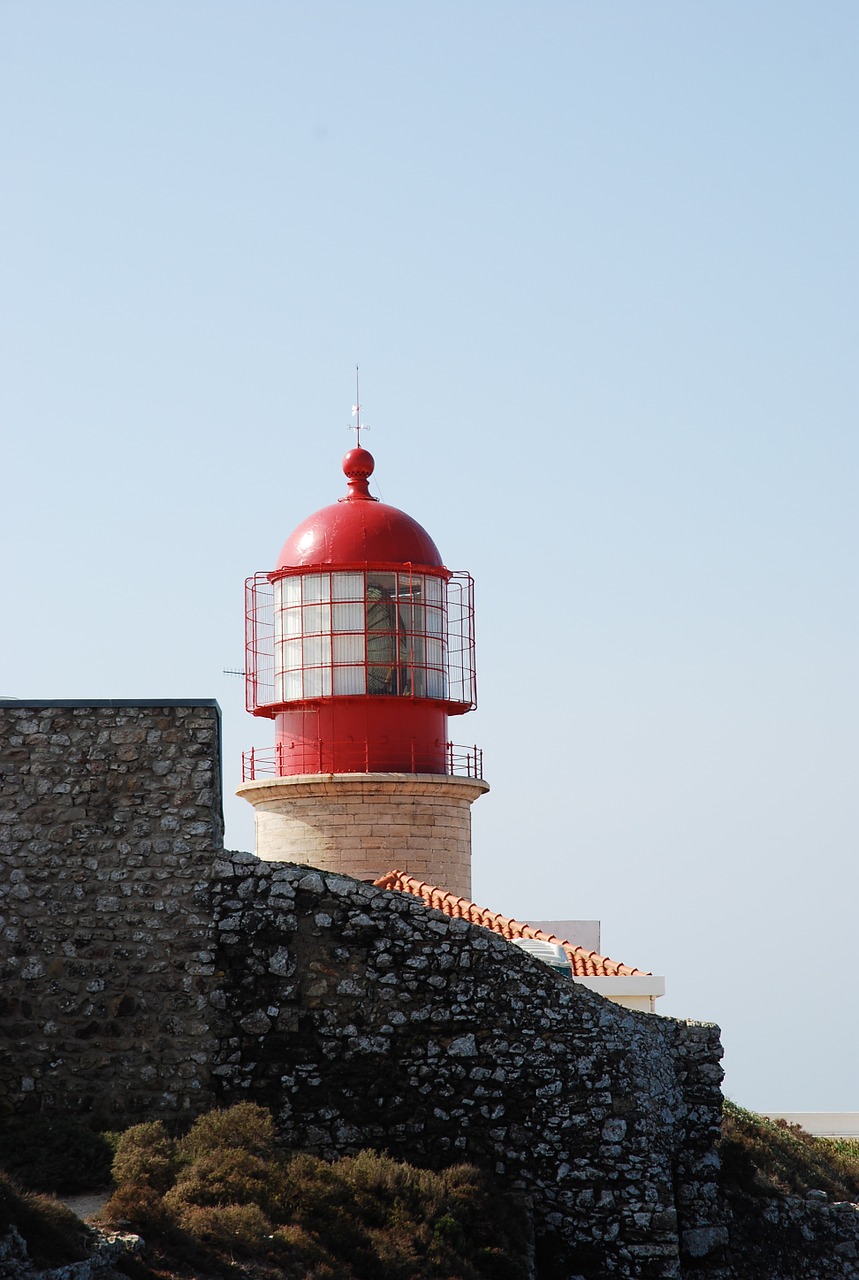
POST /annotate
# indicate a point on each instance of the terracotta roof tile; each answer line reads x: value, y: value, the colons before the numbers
x: 586, y: 964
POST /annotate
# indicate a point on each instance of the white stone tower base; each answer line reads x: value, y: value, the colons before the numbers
x: 366, y: 824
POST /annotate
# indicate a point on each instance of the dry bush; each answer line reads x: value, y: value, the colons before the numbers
x: 145, y: 1157
x: 244, y: 1126
x: 141, y: 1207
x: 389, y: 1181
x: 227, y: 1177
x: 231, y: 1226
x: 301, y: 1256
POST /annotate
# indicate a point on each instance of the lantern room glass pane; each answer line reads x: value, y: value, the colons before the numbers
x: 385, y: 582
x: 317, y: 618
x: 349, y: 649
x: 433, y: 590
x: 291, y: 622
x: 291, y: 685
x: 349, y: 680
x: 435, y: 653
x: 348, y: 617
x: 316, y: 587
x: 435, y: 683
x: 347, y: 586
x: 435, y: 621
x: 317, y: 650
x: 317, y: 682
x: 289, y: 589
x: 292, y: 655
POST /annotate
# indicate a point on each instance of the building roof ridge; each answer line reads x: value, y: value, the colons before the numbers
x: 586, y: 964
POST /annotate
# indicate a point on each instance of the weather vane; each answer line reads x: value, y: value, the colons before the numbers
x: 357, y: 426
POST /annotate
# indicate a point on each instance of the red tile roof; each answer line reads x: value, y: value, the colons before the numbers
x: 586, y: 964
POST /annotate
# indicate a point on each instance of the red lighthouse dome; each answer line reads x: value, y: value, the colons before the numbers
x: 359, y: 529
x: 360, y: 641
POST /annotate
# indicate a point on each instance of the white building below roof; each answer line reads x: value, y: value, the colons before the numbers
x: 822, y: 1124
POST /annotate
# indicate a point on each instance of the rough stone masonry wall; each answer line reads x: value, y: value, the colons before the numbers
x: 110, y: 815
x: 363, y: 1019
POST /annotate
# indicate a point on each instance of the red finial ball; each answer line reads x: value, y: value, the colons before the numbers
x: 358, y: 464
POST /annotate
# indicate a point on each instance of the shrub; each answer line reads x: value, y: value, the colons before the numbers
x: 226, y: 1177
x: 244, y: 1126
x: 141, y: 1207
x: 231, y: 1226
x: 54, y: 1154
x: 145, y: 1157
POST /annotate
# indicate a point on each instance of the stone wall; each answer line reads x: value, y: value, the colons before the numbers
x: 110, y: 814
x: 363, y: 1019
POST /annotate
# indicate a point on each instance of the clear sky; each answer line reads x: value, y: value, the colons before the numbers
x: 598, y: 264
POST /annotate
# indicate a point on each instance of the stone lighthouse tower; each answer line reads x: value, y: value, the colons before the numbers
x: 360, y: 646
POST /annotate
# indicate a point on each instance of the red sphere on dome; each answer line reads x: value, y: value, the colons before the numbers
x: 359, y: 529
x: 359, y: 463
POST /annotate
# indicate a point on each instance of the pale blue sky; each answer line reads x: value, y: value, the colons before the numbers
x: 598, y: 263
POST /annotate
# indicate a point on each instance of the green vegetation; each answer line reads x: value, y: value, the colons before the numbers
x: 224, y: 1193
x: 770, y: 1157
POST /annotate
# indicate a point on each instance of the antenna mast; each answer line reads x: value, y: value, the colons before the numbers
x: 357, y: 426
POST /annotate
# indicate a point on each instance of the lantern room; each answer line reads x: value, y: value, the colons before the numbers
x: 360, y: 644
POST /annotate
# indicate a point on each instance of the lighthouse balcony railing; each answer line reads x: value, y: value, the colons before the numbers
x: 359, y: 757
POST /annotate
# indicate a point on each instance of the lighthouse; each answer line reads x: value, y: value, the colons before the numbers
x: 360, y: 648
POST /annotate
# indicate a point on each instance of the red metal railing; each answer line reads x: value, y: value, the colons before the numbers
x: 270, y: 762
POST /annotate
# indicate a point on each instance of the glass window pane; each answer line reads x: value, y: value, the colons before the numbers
x: 386, y: 581
x: 291, y: 686
x: 317, y: 617
x: 435, y: 653
x: 418, y: 678
x: 435, y: 619
x: 349, y: 680
x: 317, y: 682
x: 317, y: 650
x: 291, y: 622
x: 347, y: 586
x: 316, y: 587
x: 435, y: 684
x: 381, y: 679
x: 290, y: 590
x: 433, y: 589
x: 292, y: 655
x: 349, y: 648
x: 349, y: 617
